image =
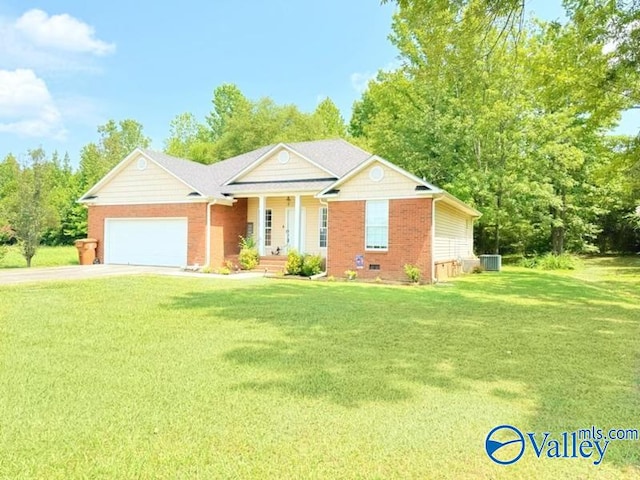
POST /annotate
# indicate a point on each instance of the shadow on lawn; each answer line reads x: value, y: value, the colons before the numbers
x: 352, y: 344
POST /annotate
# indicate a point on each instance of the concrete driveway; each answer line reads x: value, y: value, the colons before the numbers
x: 10, y: 276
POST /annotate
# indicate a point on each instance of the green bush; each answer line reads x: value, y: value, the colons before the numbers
x: 412, y: 272
x: 248, y: 259
x: 564, y: 261
x: 311, y: 265
x: 294, y: 263
x: 350, y: 274
x: 223, y: 271
x: 248, y: 243
x: 477, y: 268
x: 550, y: 261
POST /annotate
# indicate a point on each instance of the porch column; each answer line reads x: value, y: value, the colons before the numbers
x: 260, y: 226
x: 296, y: 223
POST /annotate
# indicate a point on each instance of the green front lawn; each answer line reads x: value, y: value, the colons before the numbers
x: 162, y: 377
x: 45, y: 257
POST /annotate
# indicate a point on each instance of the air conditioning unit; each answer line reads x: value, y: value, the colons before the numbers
x: 491, y: 263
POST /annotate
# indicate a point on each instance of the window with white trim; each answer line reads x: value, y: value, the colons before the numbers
x: 322, y: 225
x: 377, y: 225
x: 267, y: 227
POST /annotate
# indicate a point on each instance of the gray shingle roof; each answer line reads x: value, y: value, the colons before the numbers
x: 299, y: 186
x: 336, y: 156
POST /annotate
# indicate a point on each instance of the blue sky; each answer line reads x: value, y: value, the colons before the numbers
x: 68, y: 66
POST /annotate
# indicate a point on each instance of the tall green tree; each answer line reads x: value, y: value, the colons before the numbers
x: 190, y: 139
x: 9, y: 177
x: 329, y: 119
x: 228, y: 101
x: 30, y: 210
x: 117, y: 140
x: 513, y: 121
x: 238, y: 125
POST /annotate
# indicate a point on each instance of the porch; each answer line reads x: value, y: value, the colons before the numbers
x: 285, y: 222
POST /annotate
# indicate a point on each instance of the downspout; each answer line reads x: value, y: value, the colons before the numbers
x: 433, y: 237
x: 207, y: 255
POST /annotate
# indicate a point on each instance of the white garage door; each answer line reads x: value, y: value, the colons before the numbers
x: 146, y: 241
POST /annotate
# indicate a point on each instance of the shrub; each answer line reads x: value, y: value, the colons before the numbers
x: 248, y: 257
x: 550, y: 261
x: 311, y: 265
x: 294, y: 263
x: 412, y: 272
x: 529, y: 262
x: 564, y: 261
x: 350, y: 274
x: 3, y: 252
x: 477, y: 268
x: 223, y: 271
x: 206, y: 270
x: 248, y: 243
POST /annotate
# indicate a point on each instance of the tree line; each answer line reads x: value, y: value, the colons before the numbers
x: 512, y: 115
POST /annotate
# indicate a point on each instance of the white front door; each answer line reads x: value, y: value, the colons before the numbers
x: 290, y: 225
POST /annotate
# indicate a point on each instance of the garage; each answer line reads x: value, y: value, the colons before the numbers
x: 146, y: 241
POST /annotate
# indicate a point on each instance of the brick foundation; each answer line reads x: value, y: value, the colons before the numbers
x: 409, y: 239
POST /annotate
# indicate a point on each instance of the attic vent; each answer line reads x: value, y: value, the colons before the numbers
x: 283, y: 157
x: 142, y: 163
x: 194, y: 194
x: 376, y: 173
x: 422, y: 188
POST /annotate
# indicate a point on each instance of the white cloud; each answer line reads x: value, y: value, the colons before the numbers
x: 62, y: 32
x: 26, y: 106
x: 360, y: 80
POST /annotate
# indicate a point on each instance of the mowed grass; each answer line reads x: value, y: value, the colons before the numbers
x: 45, y: 257
x: 162, y: 377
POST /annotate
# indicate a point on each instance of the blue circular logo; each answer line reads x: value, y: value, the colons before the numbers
x: 504, y: 436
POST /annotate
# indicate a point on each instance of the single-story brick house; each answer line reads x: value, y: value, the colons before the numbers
x: 325, y: 197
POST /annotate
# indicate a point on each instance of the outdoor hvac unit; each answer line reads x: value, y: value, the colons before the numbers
x: 491, y: 263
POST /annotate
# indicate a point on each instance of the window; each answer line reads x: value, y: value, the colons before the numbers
x: 249, y: 233
x: 377, y: 225
x: 267, y: 227
x: 323, y: 227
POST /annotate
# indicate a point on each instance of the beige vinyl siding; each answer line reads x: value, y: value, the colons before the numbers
x: 278, y: 205
x: 312, y: 237
x: 392, y: 185
x: 153, y: 184
x: 453, y: 233
x: 271, y: 170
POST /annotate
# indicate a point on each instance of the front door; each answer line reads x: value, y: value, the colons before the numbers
x: 290, y: 226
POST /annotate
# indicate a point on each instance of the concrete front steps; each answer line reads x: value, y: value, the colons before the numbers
x: 269, y: 264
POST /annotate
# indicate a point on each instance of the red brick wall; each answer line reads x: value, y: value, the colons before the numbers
x: 227, y: 224
x: 196, y: 214
x: 409, y: 239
